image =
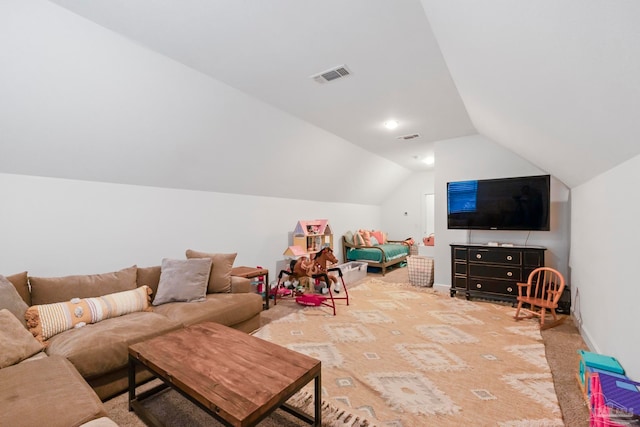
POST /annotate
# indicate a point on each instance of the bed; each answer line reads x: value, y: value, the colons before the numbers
x: 381, y: 255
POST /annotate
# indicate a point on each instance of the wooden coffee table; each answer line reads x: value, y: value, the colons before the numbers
x: 235, y: 377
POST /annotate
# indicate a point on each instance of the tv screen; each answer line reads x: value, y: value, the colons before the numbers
x: 520, y: 203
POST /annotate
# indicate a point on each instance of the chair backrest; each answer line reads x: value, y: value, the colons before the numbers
x: 547, y: 284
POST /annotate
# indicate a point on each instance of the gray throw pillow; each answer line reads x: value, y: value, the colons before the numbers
x: 220, y: 277
x: 183, y: 280
x: 10, y: 299
x: 16, y: 341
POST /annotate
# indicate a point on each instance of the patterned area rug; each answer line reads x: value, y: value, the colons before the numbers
x: 401, y: 356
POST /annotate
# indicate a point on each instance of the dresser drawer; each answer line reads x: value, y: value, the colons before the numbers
x: 460, y: 268
x: 534, y: 259
x: 495, y: 272
x: 496, y: 256
x: 460, y: 254
x: 493, y: 287
x: 460, y: 282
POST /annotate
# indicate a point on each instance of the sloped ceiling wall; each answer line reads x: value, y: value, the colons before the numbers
x: 557, y: 82
x: 79, y: 101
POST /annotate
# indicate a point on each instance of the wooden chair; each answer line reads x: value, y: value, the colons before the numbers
x: 542, y: 292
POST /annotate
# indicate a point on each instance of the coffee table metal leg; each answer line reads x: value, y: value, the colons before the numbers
x: 317, y: 407
x: 318, y: 400
x: 132, y: 382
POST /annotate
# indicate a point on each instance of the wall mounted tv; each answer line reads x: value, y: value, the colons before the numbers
x: 520, y: 203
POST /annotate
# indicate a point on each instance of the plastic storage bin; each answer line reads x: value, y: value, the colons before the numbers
x: 420, y: 270
x: 353, y: 271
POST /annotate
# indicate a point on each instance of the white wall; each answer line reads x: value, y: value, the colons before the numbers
x: 605, y: 229
x: 407, y: 197
x: 56, y: 227
x: 476, y: 157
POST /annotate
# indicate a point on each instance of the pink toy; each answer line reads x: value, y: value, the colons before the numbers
x: 310, y: 299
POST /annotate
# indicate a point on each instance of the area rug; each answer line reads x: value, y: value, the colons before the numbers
x: 403, y: 356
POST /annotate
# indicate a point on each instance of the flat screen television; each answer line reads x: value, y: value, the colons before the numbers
x: 520, y: 203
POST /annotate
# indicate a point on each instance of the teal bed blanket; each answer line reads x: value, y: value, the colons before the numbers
x: 391, y: 251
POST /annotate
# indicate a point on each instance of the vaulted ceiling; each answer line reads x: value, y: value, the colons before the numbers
x: 557, y: 82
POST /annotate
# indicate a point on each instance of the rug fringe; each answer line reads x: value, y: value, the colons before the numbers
x: 331, y: 415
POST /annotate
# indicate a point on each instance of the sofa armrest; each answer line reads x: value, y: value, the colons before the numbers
x: 240, y: 285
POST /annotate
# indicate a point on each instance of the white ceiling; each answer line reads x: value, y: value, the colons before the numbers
x: 269, y: 50
x: 555, y: 81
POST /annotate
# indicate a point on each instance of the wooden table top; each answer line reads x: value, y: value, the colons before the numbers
x: 244, y: 271
x: 237, y: 376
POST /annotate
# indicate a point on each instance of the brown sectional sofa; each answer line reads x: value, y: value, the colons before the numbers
x: 81, y: 367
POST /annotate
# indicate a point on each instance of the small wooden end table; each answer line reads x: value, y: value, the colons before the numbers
x: 223, y: 371
x: 250, y: 273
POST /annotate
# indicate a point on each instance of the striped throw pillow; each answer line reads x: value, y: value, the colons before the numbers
x: 47, y: 320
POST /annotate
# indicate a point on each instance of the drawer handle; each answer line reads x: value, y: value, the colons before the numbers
x: 509, y: 273
x: 478, y: 285
x: 509, y: 257
x: 479, y: 256
x: 509, y: 289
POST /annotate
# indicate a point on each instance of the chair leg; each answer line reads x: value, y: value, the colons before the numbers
x: 542, y: 316
x: 517, y: 315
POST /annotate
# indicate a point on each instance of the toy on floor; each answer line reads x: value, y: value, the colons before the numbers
x: 320, y: 260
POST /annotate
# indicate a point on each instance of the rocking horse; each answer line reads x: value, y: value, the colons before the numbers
x: 309, y: 272
x: 320, y: 261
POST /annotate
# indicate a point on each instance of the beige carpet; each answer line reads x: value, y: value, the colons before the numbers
x: 405, y: 356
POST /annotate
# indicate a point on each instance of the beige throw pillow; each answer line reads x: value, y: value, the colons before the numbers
x: 220, y: 277
x: 16, y: 341
x: 183, y: 280
x: 11, y: 300
x: 21, y: 283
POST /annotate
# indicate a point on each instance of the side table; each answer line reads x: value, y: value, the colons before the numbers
x: 252, y: 272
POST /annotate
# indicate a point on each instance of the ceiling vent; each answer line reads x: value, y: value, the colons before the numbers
x: 332, y: 74
x: 408, y: 137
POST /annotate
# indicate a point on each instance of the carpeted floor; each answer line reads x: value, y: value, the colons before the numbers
x: 560, y: 344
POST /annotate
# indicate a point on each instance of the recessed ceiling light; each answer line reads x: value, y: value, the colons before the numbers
x: 429, y: 160
x: 391, y: 124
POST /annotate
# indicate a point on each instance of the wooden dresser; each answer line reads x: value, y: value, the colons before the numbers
x: 492, y: 271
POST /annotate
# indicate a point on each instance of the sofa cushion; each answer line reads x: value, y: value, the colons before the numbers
x: 47, y: 320
x: 100, y: 348
x: 21, y: 283
x: 183, y: 280
x: 149, y: 276
x: 220, y: 278
x: 225, y: 308
x: 47, y: 290
x: 100, y: 422
x: 11, y: 300
x: 46, y: 392
x: 16, y: 342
